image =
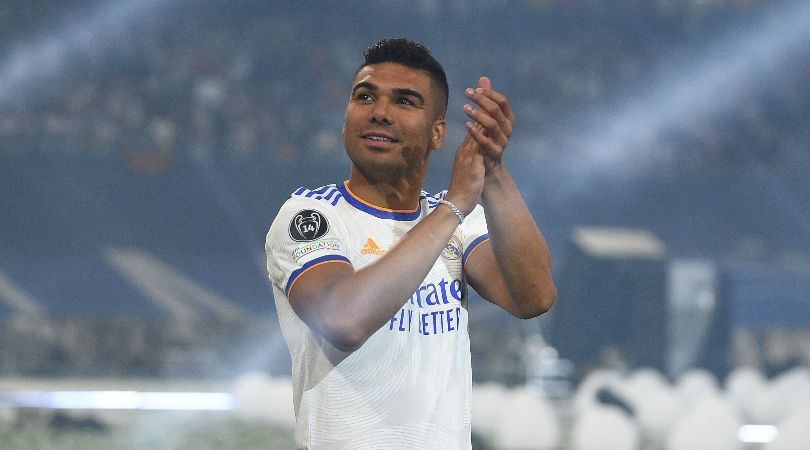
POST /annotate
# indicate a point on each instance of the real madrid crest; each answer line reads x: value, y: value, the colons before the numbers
x: 453, y: 249
x: 308, y: 225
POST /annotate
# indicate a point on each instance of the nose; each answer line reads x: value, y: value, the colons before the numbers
x: 381, y: 112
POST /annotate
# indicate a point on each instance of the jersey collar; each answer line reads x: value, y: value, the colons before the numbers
x: 377, y: 211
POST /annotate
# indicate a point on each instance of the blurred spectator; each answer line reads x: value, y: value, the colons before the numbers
x: 213, y: 78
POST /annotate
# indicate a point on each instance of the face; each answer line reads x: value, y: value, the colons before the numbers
x: 391, y: 123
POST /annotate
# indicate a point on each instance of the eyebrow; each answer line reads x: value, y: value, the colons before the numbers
x: 399, y: 91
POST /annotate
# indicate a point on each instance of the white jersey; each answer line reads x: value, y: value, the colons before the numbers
x: 409, y: 385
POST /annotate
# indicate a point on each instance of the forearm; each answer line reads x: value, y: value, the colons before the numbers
x: 368, y: 298
x: 521, y: 251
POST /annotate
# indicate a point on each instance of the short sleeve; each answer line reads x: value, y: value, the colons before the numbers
x: 304, y: 234
x: 474, y: 232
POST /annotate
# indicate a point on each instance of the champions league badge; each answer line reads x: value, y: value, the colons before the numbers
x: 308, y: 225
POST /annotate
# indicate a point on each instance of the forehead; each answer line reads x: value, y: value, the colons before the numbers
x: 394, y: 76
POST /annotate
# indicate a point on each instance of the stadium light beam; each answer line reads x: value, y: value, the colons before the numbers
x: 709, y: 84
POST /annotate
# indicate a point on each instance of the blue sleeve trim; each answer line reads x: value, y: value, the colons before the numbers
x: 478, y: 241
x: 297, y: 272
x: 328, y: 193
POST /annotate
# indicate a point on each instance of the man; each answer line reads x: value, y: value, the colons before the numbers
x: 370, y: 276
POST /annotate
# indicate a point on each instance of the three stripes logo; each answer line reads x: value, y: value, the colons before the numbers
x: 371, y: 248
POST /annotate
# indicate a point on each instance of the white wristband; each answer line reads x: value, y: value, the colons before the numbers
x: 453, y: 208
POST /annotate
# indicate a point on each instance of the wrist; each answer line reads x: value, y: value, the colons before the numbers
x: 495, y: 172
x: 459, y: 202
x: 457, y: 212
x: 495, y: 180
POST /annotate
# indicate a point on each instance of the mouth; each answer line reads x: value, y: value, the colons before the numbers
x: 378, y: 139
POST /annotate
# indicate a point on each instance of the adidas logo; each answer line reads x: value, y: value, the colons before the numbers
x: 371, y: 248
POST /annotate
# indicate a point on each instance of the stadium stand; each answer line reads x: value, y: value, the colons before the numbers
x: 171, y: 143
x: 141, y: 167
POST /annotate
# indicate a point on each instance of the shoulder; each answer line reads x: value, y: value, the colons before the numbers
x: 329, y: 195
x: 325, y: 200
x: 316, y: 207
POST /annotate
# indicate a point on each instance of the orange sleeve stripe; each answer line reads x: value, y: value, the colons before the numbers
x: 476, y: 244
x: 296, y: 275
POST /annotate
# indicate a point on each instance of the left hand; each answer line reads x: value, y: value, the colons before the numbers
x: 492, y: 123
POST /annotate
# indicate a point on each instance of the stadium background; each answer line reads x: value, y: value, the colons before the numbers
x: 145, y: 147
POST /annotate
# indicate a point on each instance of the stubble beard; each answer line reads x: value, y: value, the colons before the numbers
x: 377, y: 167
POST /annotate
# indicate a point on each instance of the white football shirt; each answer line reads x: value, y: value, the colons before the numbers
x: 409, y: 386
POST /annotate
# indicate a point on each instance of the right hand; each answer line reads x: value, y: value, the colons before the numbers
x: 492, y: 123
x: 467, y: 178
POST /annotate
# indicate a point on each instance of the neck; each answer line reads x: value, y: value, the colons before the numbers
x: 397, y: 193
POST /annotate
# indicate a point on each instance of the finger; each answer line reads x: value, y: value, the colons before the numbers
x: 468, y: 158
x: 494, y: 110
x: 503, y: 102
x: 467, y: 146
x: 485, y: 83
x: 491, y: 126
x: 484, y: 142
x: 470, y: 146
x: 478, y: 95
x: 486, y: 100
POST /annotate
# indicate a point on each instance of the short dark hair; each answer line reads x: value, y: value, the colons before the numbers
x: 410, y: 54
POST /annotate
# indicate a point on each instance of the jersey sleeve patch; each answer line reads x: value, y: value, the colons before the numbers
x: 304, y: 233
x: 308, y: 225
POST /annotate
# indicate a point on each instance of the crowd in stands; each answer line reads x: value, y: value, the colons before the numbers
x: 265, y: 79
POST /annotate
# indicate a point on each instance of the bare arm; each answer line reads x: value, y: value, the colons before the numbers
x: 346, y: 307
x: 512, y: 270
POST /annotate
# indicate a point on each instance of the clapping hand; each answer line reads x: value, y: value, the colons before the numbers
x: 492, y: 122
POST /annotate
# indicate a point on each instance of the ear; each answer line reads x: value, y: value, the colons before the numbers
x: 437, y: 139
